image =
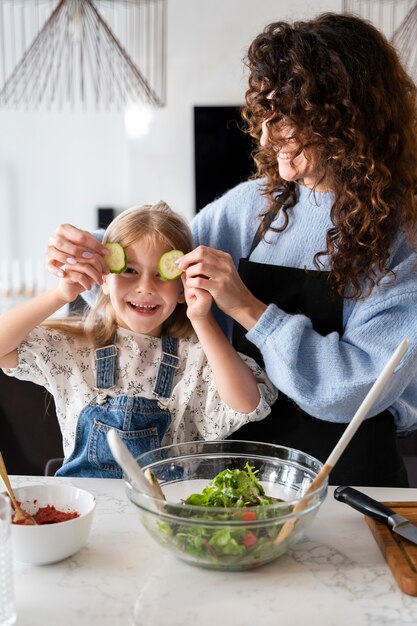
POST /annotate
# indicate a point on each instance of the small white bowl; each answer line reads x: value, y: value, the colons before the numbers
x: 49, y: 543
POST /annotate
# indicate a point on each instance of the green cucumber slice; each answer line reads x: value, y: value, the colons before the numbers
x: 116, y: 260
x: 167, y: 268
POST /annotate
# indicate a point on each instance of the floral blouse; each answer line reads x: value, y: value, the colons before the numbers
x: 64, y: 365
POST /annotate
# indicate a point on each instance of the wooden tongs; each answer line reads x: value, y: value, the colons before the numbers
x: 341, y: 445
x: 20, y: 516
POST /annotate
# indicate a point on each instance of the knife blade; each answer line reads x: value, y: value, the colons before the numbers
x: 366, y: 505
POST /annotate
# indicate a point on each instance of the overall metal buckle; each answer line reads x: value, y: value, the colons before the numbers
x: 171, y: 356
x: 100, y: 358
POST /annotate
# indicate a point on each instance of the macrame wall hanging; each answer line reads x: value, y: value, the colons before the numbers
x: 63, y: 53
x: 397, y: 19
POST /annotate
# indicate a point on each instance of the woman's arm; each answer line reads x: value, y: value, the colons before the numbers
x: 327, y: 376
x: 235, y: 382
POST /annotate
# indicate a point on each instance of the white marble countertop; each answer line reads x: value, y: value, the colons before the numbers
x: 335, y: 576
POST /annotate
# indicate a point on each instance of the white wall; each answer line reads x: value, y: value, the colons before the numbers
x: 207, y: 40
x: 58, y: 167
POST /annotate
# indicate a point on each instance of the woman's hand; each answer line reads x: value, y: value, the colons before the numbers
x: 69, y: 248
x: 214, y: 271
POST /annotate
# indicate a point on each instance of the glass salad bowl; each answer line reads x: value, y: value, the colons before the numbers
x: 242, y: 520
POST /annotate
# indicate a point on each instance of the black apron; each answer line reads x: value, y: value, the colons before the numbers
x: 372, y: 457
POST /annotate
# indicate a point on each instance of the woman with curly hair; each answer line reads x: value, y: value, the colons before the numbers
x: 313, y: 262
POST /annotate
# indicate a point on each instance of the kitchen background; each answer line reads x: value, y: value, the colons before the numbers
x: 62, y: 165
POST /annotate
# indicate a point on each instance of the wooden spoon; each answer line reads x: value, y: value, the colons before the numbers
x: 156, y: 487
x: 339, y: 448
x: 19, y: 514
x: 146, y: 480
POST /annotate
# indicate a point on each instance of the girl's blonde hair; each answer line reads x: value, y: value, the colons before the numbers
x: 156, y: 223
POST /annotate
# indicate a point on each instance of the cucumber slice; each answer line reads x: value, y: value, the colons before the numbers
x: 167, y: 268
x: 116, y: 260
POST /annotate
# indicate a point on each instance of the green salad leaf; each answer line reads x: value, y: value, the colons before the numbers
x: 232, y: 488
x: 241, y: 546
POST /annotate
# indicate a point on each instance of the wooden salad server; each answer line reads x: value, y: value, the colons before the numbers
x: 341, y: 445
x: 20, y: 516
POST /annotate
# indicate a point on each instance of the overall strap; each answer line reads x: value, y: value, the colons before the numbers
x: 168, y: 364
x: 105, y: 359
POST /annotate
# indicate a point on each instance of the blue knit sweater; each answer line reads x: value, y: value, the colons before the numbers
x: 327, y: 376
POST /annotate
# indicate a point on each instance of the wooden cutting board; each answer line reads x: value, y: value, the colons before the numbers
x: 400, y: 554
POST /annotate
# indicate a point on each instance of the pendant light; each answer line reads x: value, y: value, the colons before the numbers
x: 67, y: 53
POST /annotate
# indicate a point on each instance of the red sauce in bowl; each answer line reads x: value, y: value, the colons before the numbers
x: 49, y: 515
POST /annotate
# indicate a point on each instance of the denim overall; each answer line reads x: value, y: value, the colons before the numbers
x: 140, y: 422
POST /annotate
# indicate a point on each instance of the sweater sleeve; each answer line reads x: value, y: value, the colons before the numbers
x: 329, y: 376
x: 91, y: 295
x: 229, y: 224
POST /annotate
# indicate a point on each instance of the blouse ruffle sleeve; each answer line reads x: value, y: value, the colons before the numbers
x: 208, y: 417
x: 38, y: 355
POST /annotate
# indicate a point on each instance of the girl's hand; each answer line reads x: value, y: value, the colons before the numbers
x: 215, y: 272
x: 70, y: 246
x: 80, y: 277
x: 198, y: 301
x: 69, y: 290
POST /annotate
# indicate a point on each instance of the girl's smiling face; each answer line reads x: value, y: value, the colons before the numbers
x: 141, y: 299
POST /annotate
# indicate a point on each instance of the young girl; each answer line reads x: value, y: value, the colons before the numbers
x: 134, y: 363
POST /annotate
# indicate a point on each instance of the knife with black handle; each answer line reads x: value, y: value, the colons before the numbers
x: 366, y: 505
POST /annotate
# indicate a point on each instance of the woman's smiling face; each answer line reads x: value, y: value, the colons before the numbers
x: 141, y: 299
x: 293, y: 164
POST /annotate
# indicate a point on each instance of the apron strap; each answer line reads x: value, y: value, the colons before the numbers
x: 267, y: 219
x: 168, y: 364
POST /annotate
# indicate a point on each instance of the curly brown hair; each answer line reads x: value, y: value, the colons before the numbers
x: 340, y: 85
